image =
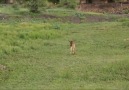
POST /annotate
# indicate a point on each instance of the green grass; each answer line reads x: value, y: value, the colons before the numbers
x: 36, y: 55
x: 9, y: 9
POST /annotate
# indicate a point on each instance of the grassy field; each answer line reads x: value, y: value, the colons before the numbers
x: 34, y: 53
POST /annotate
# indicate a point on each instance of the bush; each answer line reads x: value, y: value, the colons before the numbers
x: 126, y: 24
x: 15, y: 6
x: 68, y: 3
x: 53, y: 1
x: 126, y: 11
x: 123, y: 20
x: 35, y: 4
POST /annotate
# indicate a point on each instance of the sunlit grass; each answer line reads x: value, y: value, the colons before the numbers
x: 13, y: 36
x: 36, y: 55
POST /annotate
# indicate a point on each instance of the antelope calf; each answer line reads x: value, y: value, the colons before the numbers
x: 72, y: 47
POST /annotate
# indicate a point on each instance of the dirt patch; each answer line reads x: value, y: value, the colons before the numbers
x: 3, y: 16
x: 47, y: 16
x: 115, y: 8
x: 72, y: 19
x: 76, y: 19
x: 98, y: 18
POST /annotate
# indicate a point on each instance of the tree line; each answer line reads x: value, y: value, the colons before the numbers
x: 35, y: 4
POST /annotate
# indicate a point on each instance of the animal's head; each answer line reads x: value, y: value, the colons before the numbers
x: 71, y: 42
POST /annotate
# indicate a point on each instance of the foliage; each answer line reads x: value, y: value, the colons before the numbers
x: 33, y: 4
x: 126, y: 11
x: 68, y: 3
x: 54, y: 1
x: 1, y: 1
x: 120, y: 0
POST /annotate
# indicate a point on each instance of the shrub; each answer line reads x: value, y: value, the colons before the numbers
x: 35, y: 4
x: 126, y: 11
x: 126, y: 23
x: 54, y: 1
x: 68, y: 3
x: 15, y: 6
x: 123, y: 20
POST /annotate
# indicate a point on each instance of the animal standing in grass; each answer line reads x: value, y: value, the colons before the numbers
x: 72, y: 47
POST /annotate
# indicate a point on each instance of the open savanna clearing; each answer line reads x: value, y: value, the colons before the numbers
x: 34, y: 51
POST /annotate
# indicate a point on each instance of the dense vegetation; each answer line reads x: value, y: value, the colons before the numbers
x: 34, y: 50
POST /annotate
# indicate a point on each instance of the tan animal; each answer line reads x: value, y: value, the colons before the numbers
x: 72, y: 47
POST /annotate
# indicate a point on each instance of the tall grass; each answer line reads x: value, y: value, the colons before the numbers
x: 14, y: 36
